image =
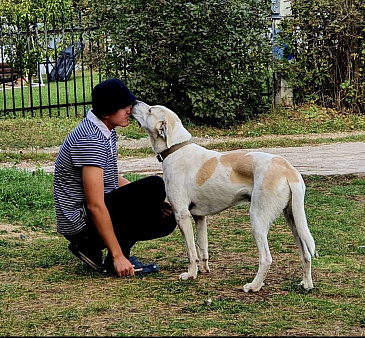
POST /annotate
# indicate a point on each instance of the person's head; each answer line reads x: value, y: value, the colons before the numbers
x: 110, y: 96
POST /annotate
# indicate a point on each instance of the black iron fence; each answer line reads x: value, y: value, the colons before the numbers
x: 48, y: 66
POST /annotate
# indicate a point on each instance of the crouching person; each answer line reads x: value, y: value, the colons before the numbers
x: 96, y: 208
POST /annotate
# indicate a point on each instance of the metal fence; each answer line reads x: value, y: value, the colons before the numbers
x: 48, y: 66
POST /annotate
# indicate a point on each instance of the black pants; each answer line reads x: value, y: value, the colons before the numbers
x: 135, y: 210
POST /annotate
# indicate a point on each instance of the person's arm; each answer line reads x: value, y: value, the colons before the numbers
x: 94, y: 190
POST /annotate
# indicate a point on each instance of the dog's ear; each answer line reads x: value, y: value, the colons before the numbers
x: 164, y: 130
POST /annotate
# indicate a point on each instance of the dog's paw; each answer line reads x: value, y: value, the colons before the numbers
x: 186, y: 276
x: 306, y: 285
x: 250, y: 287
x: 203, y: 267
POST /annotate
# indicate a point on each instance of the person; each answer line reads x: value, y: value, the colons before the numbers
x: 97, y: 208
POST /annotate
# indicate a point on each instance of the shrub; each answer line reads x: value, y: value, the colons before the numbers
x: 203, y: 59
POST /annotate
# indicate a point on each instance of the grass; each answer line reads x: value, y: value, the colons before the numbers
x: 303, y: 119
x: 45, y: 291
x: 52, y: 93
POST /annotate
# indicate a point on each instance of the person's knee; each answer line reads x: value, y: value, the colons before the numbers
x: 156, y: 185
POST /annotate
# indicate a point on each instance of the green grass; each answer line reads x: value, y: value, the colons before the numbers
x: 303, y: 119
x: 281, y: 142
x: 46, y: 291
x: 26, y: 198
x: 52, y: 93
x: 35, y: 133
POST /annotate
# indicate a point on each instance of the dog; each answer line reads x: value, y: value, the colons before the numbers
x: 201, y: 182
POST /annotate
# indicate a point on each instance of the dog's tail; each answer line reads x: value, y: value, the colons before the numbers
x: 300, y: 219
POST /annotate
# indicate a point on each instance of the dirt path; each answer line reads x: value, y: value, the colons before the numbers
x: 325, y: 159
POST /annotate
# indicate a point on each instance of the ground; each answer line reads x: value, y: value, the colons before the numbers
x: 325, y: 159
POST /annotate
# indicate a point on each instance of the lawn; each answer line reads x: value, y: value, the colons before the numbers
x: 46, y: 291
x: 75, y: 91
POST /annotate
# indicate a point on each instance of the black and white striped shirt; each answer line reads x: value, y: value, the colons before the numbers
x: 89, y: 144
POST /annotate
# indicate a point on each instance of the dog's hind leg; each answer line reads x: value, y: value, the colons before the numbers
x: 265, y: 208
x: 202, y: 243
x: 305, y: 255
x: 184, y: 222
x: 260, y: 229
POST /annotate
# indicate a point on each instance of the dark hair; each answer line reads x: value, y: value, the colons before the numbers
x: 109, y: 96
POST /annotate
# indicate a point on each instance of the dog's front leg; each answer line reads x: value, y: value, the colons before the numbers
x: 202, y: 243
x: 184, y: 223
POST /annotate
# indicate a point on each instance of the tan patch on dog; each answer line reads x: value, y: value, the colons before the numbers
x: 206, y: 171
x: 290, y: 172
x: 241, y: 164
x: 280, y: 168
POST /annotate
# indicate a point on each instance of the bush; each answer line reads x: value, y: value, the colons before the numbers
x: 203, y: 59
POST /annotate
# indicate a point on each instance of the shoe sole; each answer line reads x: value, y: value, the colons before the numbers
x: 88, y: 261
x: 138, y: 271
x: 84, y: 258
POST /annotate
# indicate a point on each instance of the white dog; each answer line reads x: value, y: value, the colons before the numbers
x: 201, y: 182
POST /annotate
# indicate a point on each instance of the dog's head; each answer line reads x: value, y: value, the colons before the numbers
x: 162, y: 125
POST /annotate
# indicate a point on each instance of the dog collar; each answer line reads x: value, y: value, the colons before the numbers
x: 161, y: 156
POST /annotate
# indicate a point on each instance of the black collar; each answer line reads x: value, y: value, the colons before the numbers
x: 161, y: 156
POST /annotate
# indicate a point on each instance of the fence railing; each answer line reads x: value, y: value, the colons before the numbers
x: 48, y: 66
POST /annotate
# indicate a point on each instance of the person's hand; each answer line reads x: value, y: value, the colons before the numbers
x: 166, y: 209
x: 123, y: 267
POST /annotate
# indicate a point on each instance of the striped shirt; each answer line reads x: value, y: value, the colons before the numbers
x: 91, y: 143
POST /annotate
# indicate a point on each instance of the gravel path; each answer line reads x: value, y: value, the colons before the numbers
x: 325, y: 159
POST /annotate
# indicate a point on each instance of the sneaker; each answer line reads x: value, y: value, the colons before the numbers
x: 89, y: 257
x: 139, y: 267
x: 142, y: 268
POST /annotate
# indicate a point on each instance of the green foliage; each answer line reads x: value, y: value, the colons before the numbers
x: 207, y: 60
x: 23, y: 8
x: 203, y: 59
x: 327, y: 38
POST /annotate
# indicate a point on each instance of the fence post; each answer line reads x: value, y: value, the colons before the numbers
x: 283, y: 93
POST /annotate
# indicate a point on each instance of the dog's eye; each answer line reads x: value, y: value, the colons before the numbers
x: 149, y: 111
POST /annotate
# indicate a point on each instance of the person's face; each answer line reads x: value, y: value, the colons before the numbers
x: 119, y: 118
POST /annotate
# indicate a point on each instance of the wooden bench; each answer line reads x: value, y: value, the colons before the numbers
x: 7, y: 73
